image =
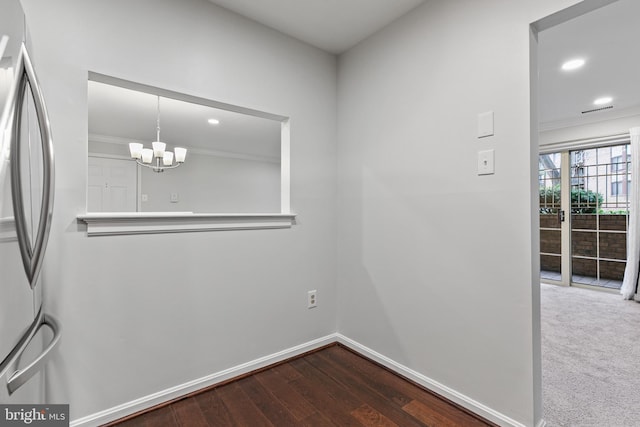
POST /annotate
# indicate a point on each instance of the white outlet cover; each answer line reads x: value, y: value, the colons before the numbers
x: 312, y: 299
x: 486, y: 162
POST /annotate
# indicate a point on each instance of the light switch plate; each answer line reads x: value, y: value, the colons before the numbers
x: 485, y: 124
x: 486, y: 162
x: 174, y: 198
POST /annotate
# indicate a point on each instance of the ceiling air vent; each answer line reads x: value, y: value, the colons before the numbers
x: 598, y: 109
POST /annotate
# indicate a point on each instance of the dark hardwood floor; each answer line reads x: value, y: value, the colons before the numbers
x: 329, y: 387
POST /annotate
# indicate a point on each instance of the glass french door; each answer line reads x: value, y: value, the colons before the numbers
x: 552, y: 209
x: 584, y: 211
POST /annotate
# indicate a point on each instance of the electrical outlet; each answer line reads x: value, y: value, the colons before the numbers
x: 312, y: 299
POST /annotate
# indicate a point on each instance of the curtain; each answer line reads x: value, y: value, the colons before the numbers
x: 630, y: 281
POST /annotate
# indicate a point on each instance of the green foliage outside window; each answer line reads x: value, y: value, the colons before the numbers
x: 582, y: 201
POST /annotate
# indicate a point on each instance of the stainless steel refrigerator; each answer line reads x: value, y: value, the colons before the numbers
x: 28, y: 334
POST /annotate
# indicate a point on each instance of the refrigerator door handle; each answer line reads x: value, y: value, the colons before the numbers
x: 32, y: 256
x: 8, y: 368
x: 21, y: 376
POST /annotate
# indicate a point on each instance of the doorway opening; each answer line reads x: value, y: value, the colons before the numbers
x: 581, y: 118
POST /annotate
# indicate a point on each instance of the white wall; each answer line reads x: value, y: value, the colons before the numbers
x: 434, y: 261
x: 207, y: 183
x: 145, y: 313
x: 215, y: 184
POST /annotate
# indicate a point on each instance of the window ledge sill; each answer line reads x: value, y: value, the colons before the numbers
x: 116, y: 223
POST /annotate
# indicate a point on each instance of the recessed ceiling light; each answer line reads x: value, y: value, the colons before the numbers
x: 603, y: 100
x: 213, y: 121
x: 573, y: 64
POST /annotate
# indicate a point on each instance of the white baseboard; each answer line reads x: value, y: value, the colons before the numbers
x: 435, y: 386
x: 154, y: 399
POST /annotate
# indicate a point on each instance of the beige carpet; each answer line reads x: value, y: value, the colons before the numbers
x: 590, y: 358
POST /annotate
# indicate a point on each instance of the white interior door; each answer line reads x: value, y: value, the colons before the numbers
x: 112, y: 185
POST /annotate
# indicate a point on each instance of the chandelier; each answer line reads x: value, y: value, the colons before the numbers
x: 157, y: 158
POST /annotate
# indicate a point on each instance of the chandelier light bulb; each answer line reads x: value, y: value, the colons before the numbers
x: 158, y: 149
x: 136, y: 150
x: 181, y: 154
x: 167, y: 159
x: 147, y: 155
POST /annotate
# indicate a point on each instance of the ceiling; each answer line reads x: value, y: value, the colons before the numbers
x: 609, y: 41
x: 331, y: 25
x: 606, y: 38
x: 124, y: 115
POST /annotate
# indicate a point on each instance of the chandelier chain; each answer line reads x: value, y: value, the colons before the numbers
x: 158, y: 122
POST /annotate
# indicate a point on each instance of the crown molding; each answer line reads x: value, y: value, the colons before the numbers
x: 603, y: 116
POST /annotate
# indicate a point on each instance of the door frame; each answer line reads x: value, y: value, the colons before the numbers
x: 557, y: 18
